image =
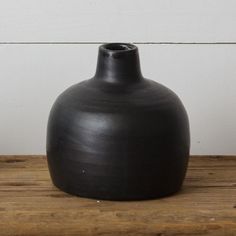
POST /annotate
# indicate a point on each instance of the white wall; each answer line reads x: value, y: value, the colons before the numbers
x: 47, y: 45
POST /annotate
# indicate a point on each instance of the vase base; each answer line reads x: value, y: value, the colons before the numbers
x: 114, y: 197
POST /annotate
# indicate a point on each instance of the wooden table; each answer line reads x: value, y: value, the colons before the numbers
x: 31, y: 205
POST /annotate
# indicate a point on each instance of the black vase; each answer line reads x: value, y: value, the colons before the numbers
x: 118, y: 136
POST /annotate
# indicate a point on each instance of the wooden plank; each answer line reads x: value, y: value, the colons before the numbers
x: 34, y: 75
x: 105, y: 20
x: 31, y: 205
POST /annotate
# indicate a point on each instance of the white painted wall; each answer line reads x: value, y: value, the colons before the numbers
x: 47, y: 45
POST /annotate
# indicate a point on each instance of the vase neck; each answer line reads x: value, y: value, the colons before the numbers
x: 118, y: 63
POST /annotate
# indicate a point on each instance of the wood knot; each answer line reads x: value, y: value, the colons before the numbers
x: 14, y: 160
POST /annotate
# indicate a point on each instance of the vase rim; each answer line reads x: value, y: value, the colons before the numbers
x: 114, y: 48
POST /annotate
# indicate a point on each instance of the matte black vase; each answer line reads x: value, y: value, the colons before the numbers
x: 118, y: 136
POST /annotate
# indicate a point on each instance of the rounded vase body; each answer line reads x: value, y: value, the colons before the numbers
x: 118, y: 136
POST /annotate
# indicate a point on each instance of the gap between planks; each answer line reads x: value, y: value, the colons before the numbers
x: 139, y: 43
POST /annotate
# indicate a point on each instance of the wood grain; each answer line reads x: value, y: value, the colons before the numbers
x: 31, y: 205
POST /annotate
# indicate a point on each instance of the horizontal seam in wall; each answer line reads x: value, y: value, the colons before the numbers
x: 141, y: 43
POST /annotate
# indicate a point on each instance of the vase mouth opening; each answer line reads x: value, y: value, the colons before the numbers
x: 118, y: 47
